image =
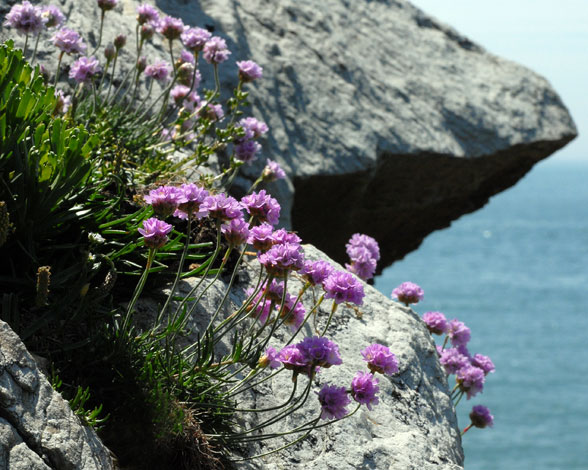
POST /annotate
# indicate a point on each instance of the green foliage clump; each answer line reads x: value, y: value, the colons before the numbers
x: 44, y: 167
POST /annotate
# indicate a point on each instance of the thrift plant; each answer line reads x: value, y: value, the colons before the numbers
x: 470, y: 371
x: 96, y: 213
x: 138, y: 225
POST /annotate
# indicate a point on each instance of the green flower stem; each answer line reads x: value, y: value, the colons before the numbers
x: 296, y: 405
x: 234, y: 113
x: 171, y: 53
x: 138, y: 42
x: 217, y: 275
x: 214, y: 256
x: 36, y: 46
x: 222, y: 302
x: 217, y: 386
x: 236, y: 390
x: 106, y: 67
x: 454, y: 389
x: 272, y: 408
x: 216, y: 80
x: 163, y: 94
x: 328, y: 423
x: 58, y: 66
x: 119, y: 87
x: 137, y: 293
x: 459, y: 397
x: 24, y: 51
x: 111, y: 77
x: 196, y: 112
x: 255, y: 184
x: 75, y: 98
x: 275, y: 323
x: 247, y: 303
x: 131, y: 70
x: 135, y: 79
x: 100, y: 35
x: 194, y: 73
x: 214, y: 93
x: 333, y: 310
x: 466, y: 429
x: 317, y: 305
x: 304, y: 436
x: 445, y: 343
x: 144, y: 100
x: 229, y: 182
x: 94, y: 99
x: 178, y: 274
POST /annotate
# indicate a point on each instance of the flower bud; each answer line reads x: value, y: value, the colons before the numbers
x: 120, y: 41
x: 43, y: 281
x: 106, y: 5
x: 44, y: 73
x: 109, y: 52
x: 147, y: 32
x: 5, y: 225
x: 141, y: 64
x: 185, y: 73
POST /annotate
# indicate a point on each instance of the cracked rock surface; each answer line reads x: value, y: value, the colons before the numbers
x: 38, y: 430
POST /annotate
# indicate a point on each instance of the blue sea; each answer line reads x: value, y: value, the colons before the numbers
x: 516, y: 272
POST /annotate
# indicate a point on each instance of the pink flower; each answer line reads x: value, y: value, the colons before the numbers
x: 334, y: 401
x: 155, y: 232
x: 25, y: 18
x: 408, y: 293
x: 195, y: 38
x: 84, y: 69
x: 380, y: 359
x: 170, y: 27
x: 364, y: 387
x: 215, y: 50
x: 249, y: 71
x: 69, y: 41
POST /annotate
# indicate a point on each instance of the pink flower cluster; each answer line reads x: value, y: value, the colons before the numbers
x: 155, y: 232
x: 408, y: 293
x: 364, y: 385
x: 85, y: 69
x: 273, y: 171
x: 340, y: 286
x: 291, y: 310
x: 470, y: 371
x: 246, y: 147
x: 69, y: 41
x: 262, y: 207
x: 25, y: 18
x: 249, y: 71
x: 364, y: 253
x: 310, y: 353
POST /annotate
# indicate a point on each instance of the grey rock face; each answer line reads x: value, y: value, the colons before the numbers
x: 38, y: 430
x: 413, y: 427
x: 388, y: 122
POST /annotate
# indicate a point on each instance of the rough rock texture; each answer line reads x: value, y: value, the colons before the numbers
x: 387, y: 121
x: 38, y: 430
x: 413, y: 427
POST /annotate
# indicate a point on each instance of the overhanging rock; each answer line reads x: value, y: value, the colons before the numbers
x: 388, y: 122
